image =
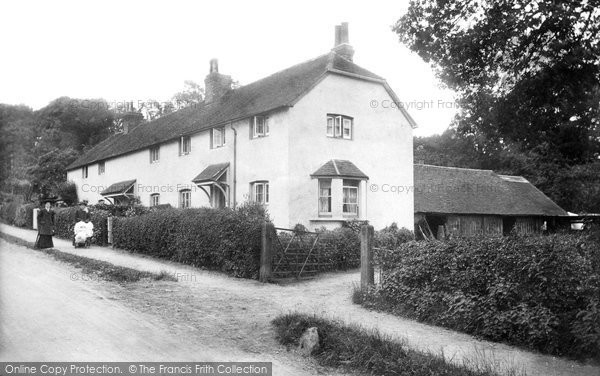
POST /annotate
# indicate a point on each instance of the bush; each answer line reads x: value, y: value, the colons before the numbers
x: 339, y: 248
x: 221, y: 239
x: 9, y: 208
x: 355, y: 349
x: 24, y: 215
x: 391, y: 236
x: 541, y: 292
x: 67, y: 191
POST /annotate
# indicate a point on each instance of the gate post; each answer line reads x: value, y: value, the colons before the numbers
x: 266, y: 255
x: 109, y: 228
x: 34, y: 225
x: 367, y: 272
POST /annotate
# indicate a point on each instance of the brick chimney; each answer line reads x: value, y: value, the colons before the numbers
x: 215, y: 83
x: 342, y: 45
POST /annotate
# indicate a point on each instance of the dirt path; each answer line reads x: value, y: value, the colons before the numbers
x: 234, y: 310
x: 48, y: 313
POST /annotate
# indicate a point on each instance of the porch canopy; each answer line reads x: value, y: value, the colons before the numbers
x: 215, y: 177
x: 120, y: 190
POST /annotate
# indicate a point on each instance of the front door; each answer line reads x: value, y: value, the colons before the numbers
x: 218, y: 200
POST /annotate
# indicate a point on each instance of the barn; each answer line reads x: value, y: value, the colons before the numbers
x: 452, y: 201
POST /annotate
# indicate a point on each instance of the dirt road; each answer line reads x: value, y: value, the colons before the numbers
x: 224, y: 311
x: 48, y: 313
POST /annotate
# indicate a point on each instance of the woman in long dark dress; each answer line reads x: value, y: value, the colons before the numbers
x: 45, y: 222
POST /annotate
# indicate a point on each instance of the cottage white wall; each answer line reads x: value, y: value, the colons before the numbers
x: 258, y: 159
x: 382, y: 147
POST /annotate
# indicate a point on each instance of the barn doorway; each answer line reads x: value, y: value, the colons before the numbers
x: 434, y: 222
x: 508, y: 224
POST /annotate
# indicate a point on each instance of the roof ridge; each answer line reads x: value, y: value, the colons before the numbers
x: 455, y: 168
x: 337, y: 170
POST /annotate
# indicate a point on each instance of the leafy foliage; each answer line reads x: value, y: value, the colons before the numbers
x: 539, y: 292
x: 356, y: 349
x: 222, y: 239
x: 527, y: 77
x: 65, y: 221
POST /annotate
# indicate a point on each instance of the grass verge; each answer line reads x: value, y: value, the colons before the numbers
x: 353, y: 348
x: 89, y: 266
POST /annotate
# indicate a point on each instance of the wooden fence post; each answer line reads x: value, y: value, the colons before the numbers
x: 34, y: 225
x: 266, y: 255
x: 367, y: 271
x: 109, y: 230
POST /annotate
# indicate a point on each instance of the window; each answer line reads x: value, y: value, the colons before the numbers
x: 154, y: 199
x: 339, y: 126
x: 324, y: 196
x: 185, y: 198
x: 185, y: 145
x: 217, y: 137
x: 260, y: 126
x: 154, y: 154
x: 260, y: 192
x: 84, y: 172
x: 350, y: 199
x: 101, y: 168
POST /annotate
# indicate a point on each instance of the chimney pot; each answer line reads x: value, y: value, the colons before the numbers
x: 214, y: 66
x: 337, y: 35
x: 342, y: 42
x: 344, y: 38
x: 215, y: 83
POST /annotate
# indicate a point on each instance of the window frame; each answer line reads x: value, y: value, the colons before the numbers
x: 84, y: 172
x: 265, y: 126
x: 101, y: 168
x: 154, y: 154
x: 336, y: 125
x: 154, y: 196
x: 355, y: 185
x: 183, y: 142
x: 185, y: 198
x: 213, y: 133
x: 264, y: 184
x: 328, y: 197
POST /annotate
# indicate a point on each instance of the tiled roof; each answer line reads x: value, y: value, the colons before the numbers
x: 451, y: 190
x: 279, y: 90
x: 211, y: 173
x: 340, y: 169
x: 118, y: 188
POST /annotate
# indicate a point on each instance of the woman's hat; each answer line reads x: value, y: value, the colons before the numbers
x: 45, y: 199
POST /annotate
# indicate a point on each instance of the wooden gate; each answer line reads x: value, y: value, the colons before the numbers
x: 295, y: 254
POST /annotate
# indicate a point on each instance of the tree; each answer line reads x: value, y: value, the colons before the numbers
x: 192, y: 94
x: 527, y: 78
x: 525, y: 72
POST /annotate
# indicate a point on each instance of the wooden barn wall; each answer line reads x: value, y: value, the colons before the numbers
x: 473, y: 225
x: 528, y: 225
x: 492, y: 225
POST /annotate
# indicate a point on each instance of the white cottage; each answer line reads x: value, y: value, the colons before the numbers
x: 306, y: 142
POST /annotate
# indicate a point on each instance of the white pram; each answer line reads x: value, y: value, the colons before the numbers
x: 83, y: 234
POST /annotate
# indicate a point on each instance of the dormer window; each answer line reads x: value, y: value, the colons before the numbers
x: 185, y: 145
x: 260, y: 126
x: 217, y: 137
x: 339, y: 126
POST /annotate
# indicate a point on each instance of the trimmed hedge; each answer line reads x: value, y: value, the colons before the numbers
x: 539, y: 292
x: 219, y: 239
x: 339, y: 248
x: 64, y: 220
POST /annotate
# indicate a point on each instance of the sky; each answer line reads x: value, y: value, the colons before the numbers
x: 141, y: 50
